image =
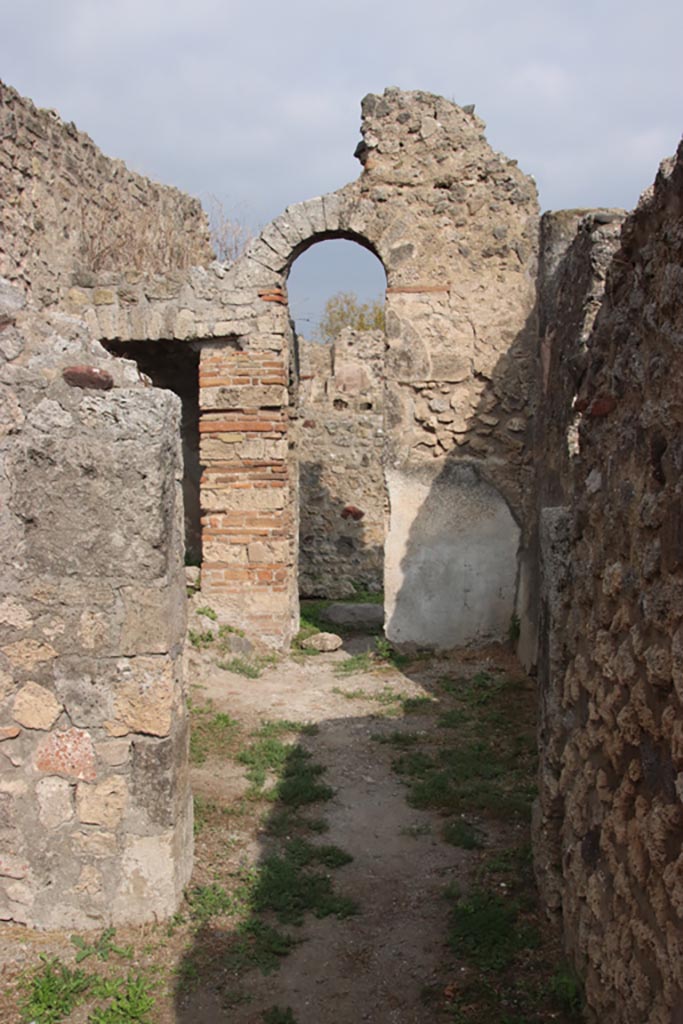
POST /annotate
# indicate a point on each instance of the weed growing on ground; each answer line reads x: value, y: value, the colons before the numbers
x: 486, y: 931
x: 240, y: 667
x: 201, y: 639
x: 288, y: 887
x: 211, y: 733
x: 131, y: 1001
x: 55, y: 990
x: 278, y: 1015
x: 567, y: 990
x: 102, y: 948
x: 208, y: 613
x: 460, y: 833
x: 400, y: 740
x: 282, y: 726
x: 355, y: 663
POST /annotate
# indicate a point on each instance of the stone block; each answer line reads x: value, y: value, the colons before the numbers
x: 28, y: 654
x: 35, y: 707
x: 154, y: 619
x: 146, y: 693
x: 103, y: 803
x: 68, y: 753
x: 55, y: 801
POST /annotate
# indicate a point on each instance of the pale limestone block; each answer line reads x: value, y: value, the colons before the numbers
x: 94, y: 844
x: 144, y: 695
x: 93, y: 629
x: 115, y: 752
x: 89, y: 881
x: 35, y: 707
x: 55, y: 801
x: 27, y: 654
x: 149, y: 888
x: 13, y: 613
x: 102, y: 803
x: 262, y: 499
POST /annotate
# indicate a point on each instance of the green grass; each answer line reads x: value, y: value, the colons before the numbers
x: 211, y: 733
x: 567, y: 990
x: 56, y: 990
x: 285, y: 822
x: 397, y: 739
x: 208, y: 613
x: 460, y: 833
x: 488, y: 766
x: 355, y: 663
x: 278, y: 1015
x: 289, y: 885
x: 201, y: 639
x: 283, y: 726
x: 131, y: 1001
x: 486, y: 930
x: 240, y: 667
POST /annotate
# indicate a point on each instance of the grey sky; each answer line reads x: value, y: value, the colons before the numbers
x: 258, y: 102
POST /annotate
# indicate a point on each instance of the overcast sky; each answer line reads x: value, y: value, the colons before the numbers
x: 257, y: 102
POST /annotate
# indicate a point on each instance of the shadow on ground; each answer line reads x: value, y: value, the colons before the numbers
x: 374, y: 865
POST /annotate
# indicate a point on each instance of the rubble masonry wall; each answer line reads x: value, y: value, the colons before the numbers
x: 609, y: 826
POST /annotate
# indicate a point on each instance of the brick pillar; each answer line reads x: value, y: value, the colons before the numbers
x: 248, y: 570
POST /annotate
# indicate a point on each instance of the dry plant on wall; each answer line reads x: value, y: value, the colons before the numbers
x: 229, y: 234
x: 345, y: 310
x: 136, y: 243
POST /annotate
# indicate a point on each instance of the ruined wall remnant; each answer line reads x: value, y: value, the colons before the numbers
x: 97, y: 818
x: 68, y: 212
x: 341, y: 476
x: 456, y: 228
x: 609, y: 830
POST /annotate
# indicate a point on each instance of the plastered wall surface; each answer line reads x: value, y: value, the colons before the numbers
x: 452, y: 559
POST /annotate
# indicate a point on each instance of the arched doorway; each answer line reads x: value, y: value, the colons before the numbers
x: 336, y: 300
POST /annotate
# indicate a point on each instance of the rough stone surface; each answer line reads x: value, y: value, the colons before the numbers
x: 609, y: 825
x: 67, y: 212
x: 341, y: 483
x: 323, y: 642
x: 532, y: 452
x: 35, y: 707
x: 91, y: 630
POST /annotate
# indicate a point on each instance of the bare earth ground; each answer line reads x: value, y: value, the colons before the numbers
x: 390, y: 962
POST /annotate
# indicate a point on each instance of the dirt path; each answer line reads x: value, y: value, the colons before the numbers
x: 390, y: 961
x: 372, y: 966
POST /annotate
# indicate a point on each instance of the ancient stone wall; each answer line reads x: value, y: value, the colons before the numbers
x: 609, y: 831
x: 456, y: 228
x: 96, y: 809
x: 68, y: 212
x: 341, y: 478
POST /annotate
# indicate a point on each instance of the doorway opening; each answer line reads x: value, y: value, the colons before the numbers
x: 336, y: 294
x: 174, y: 365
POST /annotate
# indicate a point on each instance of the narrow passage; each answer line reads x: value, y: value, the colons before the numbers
x: 362, y: 850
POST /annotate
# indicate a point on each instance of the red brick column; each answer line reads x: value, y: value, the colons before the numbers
x: 248, y: 521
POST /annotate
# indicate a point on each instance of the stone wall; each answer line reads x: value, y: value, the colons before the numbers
x: 96, y: 809
x: 341, y: 478
x: 455, y: 226
x: 68, y: 212
x: 609, y: 830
